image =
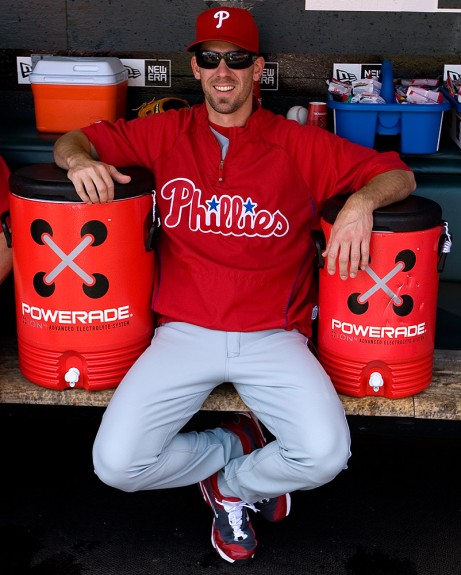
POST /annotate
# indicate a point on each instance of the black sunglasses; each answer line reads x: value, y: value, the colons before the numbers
x: 235, y: 60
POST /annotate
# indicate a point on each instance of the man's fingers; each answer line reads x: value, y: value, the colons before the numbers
x: 355, y: 259
x: 94, y: 189
x: 349, y: 243
x: 365, y: 256
x: 118, y: 176
x: 343, y: 260
x: 93, y: 184
x: 331, y: 253
x: 99, y: 189
x: 349, y: 257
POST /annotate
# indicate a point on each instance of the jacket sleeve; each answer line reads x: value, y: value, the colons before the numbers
x: 4, y: 186
x: 332, y: 165
x: 137, y: 142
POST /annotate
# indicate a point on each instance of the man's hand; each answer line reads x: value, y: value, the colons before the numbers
x: 93, y: 180
x: 349, y: 242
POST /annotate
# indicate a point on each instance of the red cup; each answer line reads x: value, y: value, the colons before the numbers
x: 317, y: 114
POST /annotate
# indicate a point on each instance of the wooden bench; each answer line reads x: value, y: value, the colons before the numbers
x: 441, y: 400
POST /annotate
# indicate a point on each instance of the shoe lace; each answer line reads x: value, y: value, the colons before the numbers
x: 235, y: 512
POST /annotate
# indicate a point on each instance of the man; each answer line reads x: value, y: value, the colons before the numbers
x: 238, y: 190
x: 6, y: 257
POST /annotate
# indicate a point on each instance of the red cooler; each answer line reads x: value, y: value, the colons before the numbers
x: 376, y: 332
x: 83, y: 278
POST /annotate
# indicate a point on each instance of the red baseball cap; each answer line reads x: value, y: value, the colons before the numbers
x: 234, y: 25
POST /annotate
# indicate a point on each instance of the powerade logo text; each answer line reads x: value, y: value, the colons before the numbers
x: 76, y: 317
x: 377, y: 332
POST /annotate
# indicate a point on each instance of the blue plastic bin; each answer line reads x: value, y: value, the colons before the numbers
x: 419, y: 125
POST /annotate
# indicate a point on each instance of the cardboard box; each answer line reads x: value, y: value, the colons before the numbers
x: 453, y: 119
x: 73, y: 92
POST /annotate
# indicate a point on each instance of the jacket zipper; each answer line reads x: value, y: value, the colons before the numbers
x: 220, y: 171
x: 221, y: 163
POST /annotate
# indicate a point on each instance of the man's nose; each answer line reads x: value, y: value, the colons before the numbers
x: 222, y: 67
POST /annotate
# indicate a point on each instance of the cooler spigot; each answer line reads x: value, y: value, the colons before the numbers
x: 72, y: 376
x: 376, y: 381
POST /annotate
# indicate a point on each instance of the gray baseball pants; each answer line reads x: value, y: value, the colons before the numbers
x: 139, y: 445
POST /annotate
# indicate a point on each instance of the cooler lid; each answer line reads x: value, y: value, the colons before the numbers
x: 95, y: 70
x: 48, y: 182
x: 413, y: 214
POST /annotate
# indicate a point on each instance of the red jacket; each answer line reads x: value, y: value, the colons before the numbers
x: 235, y: 251
x: 4, y: 187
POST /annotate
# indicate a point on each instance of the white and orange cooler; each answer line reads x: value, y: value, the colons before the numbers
x: 73, y: 92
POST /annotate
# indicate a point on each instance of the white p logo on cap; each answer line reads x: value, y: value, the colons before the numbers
x: 221, y: 16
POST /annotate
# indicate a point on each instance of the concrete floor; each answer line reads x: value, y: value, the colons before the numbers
x: 395, y: 511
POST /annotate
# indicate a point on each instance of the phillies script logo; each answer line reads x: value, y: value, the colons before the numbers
x: 226, y: 215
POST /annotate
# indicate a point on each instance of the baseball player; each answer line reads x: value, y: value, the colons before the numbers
x: 238, y: 190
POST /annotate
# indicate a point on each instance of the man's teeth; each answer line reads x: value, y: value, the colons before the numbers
x: 224, y: 88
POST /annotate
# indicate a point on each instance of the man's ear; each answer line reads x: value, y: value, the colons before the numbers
x: 258, y: 68
x: 195, y: 68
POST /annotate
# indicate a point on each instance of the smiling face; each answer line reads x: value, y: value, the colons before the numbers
x: 228, y: 93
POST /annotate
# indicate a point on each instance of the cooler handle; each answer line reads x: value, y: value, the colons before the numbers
x: 319, y: 241
x: 152, y: 236
x: 445, y: 244
x: 6, y: 230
